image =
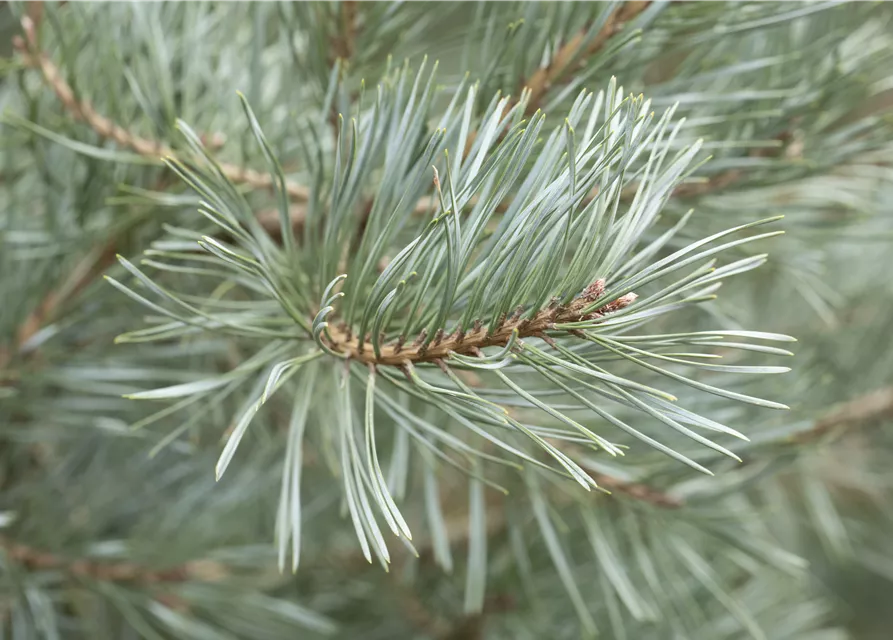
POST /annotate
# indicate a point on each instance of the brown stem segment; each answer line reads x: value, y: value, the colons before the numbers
x: 82, y: 110
x: 343, y: 44
x: 870, y: 407
x: 637, y: 491
x: 35, y: 11
x: 539, y: 83
x: 542, y: 80
x: 76, y: 281
x: 469, y: 342
x: 37, y: 560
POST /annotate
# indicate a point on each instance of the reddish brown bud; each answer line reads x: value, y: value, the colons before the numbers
x: 594, y: 290
x: 620, y: 303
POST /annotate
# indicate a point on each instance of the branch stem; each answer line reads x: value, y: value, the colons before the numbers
x: 82, y: 110
x: 874, y: 406
x: 344, y: 43
x: 543, y: 78
x: 76, y: 281
x: 469, y: 342
x: 36, y: 559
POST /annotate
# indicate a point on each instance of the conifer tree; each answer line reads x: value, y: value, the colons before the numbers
x: 445, y: 320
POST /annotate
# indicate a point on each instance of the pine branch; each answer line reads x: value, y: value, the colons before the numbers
x: 542, y: 80
x: 82, y: 110
x: 539, y: 83
x: 470, y: 342
x: 35, y: 11
x: 38, y: 560
x: 343, y: 44
x: 341, y: 48
x: 638, y: 491
x: 76, y: 281
x: 871, y: 407
x: 489, y: 250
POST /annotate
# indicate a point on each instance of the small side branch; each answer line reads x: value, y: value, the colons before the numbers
x: 539, y: 83
x: 83, y: 111
x: 35, y: 11
x: 542, y: 80
x: 343, y: 45
x: 637, y: 491
x: 76, y: 281
x: 37, y: 560
x: 871, y: 407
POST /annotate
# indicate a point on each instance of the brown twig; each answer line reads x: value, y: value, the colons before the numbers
x: 90, y: 267
x: 870, y: 407
x: 75, y: 281
x: 82, y: 110
x: 343, y: 44
x: 35, y: 12
x: 470, y: 342
x: 543, y: 78
x: 715, y: 183
x: 637, y: 490
x: 269, y: 220
x: 539, y: 83
x: 36, y: 559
